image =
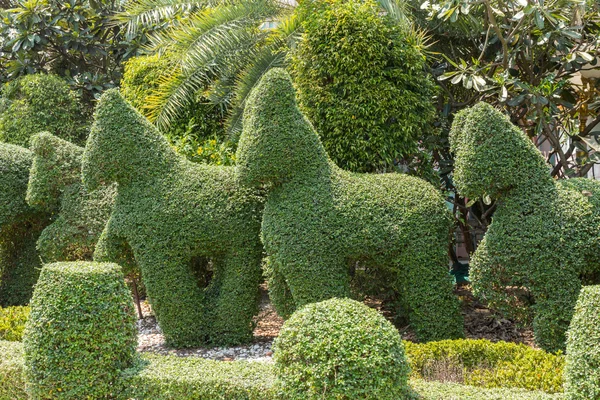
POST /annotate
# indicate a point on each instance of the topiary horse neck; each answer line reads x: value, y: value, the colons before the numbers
x: 269, y: 154
x: 494, y: 158
x: 122, y: 130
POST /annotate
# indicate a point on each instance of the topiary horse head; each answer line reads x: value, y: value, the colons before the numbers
x: 20, y: 226
x: 544, y: 234
x: 320, y: 221
x: 55, y: 187
x: 171, y: 212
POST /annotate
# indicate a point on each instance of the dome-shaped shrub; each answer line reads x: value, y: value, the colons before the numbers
x: 582, y: 369
x: 81, y: 332
x: 340, y: 349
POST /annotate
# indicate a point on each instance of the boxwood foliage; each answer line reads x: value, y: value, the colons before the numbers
x: 544, y: 234
x: 81, y: 332
x: 12, y: 383
x: 340, y: 349
x: 362, y: 82
x: 172, y: 213
x: 320, y: 221
x: 20, y: 227
x: 78, y: 216
x: 40, y: 102
x: 582, y: 370
x: 486, y: 364
x: 12, y: 322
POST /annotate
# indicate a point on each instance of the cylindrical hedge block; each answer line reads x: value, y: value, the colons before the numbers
x: 582, y: 368
x: 81, y: 332
x: 340, y: 349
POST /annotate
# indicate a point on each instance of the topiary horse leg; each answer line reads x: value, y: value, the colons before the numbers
x: 238, y: 296
x: 314, y: 275
x: 177, y: 301
x: 434, y: 310
x: 555, y: 303
x: 279, y: 291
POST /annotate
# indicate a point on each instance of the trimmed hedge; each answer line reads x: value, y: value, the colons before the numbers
x: 340, y: 349
x: 172, y: 213
x: 582, y: 370
x: 12, y: 322
x: 20, y: 227
x: 319, y: 221
x: 362, y: 81
x: 188, y: 378
x: 12, y: 383
x: 55, y: 186
x: 543, y: 235
x: 486, y: 364
x: 81, y: 332
x: 41, y: 102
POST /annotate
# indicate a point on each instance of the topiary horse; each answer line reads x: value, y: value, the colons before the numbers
x: 320, y: 220
x: 55, y: 187
x: 20, y: 227
x: 544, y: 234
x: 171, y: 212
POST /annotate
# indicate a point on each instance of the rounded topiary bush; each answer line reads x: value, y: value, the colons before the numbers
x: 81, y: 332
x: 340, y: 349
x: 582, y: 368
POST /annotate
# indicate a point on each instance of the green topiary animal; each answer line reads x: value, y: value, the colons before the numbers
x: 20, y: 227
x: 171, y: 212
x: 55, y: 186
x: 544, y: 234
x: 319, y: 220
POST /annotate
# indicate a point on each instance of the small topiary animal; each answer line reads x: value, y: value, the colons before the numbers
x: 319, y: 220
x: 80, y: 334
x: 20, y: 227
x: 340, y: 349
x: 582, y: 369
x: 544, y: 234
x: 171, y: 212
x: 55, y: 187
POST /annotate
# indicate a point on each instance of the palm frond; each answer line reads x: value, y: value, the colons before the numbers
x: 148, y: 13
x: 397, y: 10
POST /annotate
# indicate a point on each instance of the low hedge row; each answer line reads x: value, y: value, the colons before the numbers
x: 12, y: 322
x: 486, y: 364
x: 176, y: 378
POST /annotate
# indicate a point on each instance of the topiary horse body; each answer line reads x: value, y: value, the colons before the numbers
x: 170, y: 211
x: 20, y: 226
x: 55, y: 187
x: 320, y: 220
x: 544, y: 234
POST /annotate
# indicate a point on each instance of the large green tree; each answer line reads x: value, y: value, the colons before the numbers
x: 362, y: 81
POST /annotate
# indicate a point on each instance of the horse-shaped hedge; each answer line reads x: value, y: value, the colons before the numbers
x: 172, y: 213
x: 545, y: 234
x: 20, y: 226
x: 320, y: 221
x: 78, y: 216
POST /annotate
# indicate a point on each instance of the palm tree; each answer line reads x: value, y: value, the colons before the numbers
x: 220, y: 48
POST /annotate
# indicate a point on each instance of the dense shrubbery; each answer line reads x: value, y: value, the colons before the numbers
x: 319, y: 220
x: 582, y: 370
x: 12, y: 383
x: 361, y: 81
x: 340, y: 349
x: 172, y: 213
x: 12, y: 322
x: 20, y: 227
x: 81, y: 332
x: 37, y: 103
x: 544, y: 234
x: 197, y: 131
x: 487, y: 364
x: 55, y: 187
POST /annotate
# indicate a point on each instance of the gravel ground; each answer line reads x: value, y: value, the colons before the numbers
x: 268, y: 323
